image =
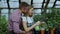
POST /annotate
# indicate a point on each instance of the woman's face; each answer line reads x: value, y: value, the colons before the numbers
x: 30, y: 11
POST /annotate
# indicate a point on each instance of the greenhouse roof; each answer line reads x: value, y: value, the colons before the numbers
x: 35, y: 3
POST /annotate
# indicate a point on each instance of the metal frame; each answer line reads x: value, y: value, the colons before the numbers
x: 45, y: 8
x: 32, y: 3
x: 54, y: 4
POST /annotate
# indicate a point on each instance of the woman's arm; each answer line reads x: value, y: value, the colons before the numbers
x: 29, y: 28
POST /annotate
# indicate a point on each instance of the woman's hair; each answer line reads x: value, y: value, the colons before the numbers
x: 27, y: 9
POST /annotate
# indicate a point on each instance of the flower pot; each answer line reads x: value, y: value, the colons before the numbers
x: 56, y: 31
x: 47, y: 32
x: 52, y: 31
x: 42, y: 31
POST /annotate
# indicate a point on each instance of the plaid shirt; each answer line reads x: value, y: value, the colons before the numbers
x: 15, y: 19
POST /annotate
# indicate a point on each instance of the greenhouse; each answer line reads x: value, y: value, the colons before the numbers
x: 47, y: 11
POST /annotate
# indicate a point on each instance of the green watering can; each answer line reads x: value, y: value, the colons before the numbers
x: 37, y: 28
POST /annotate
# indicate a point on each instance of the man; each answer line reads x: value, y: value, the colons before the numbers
x: 15, y: 19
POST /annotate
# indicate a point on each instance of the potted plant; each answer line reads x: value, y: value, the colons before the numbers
x: 37, y: 18
x: 53, y: 20
x: 52, y: 23
x: 42, y: 28
x: 58, y: 20
x: 41, y: 19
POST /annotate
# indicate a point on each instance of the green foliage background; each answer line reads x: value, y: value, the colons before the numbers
x: 3, y: 25
x: 53, y: 19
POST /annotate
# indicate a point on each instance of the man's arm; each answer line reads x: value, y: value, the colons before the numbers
x: 16, y: 28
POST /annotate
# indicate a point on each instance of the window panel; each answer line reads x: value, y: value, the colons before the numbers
x: 37, y: 11
x: 37, y: 1
x: 4, y: 11
x: 58, y: 2
x: 27, y: 1
x: 14, y: 4
x: 13, y: 0
x: 37, y: 5
x: 13, y: 10
x: 48, y: 11
x: 5, y: 15
x: 3, y: 5
x: 3, y: 0
x: 45, y: 0
x: 57, y: 6
x: 50, y: 5
x: 52, y: 0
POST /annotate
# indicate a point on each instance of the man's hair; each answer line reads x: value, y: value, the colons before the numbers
x: 23, y: 5
x: 27, y: 9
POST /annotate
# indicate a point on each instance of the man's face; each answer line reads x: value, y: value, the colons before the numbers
x: 23, y: 10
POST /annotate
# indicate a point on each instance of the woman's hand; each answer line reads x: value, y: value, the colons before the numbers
x: 22, y: 32
x: 42, y: 23
x: 39, y: 23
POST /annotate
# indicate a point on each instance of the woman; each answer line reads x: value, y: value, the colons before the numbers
x: 27, y: 20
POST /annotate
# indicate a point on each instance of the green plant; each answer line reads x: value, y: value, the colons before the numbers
x: 53, y: 19
x: 3, y: 25
x: 44, y: 26
x: 39, y: 18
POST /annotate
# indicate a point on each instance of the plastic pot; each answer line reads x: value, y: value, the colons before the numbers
x: 52, y: 31
x: 42, y: 31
